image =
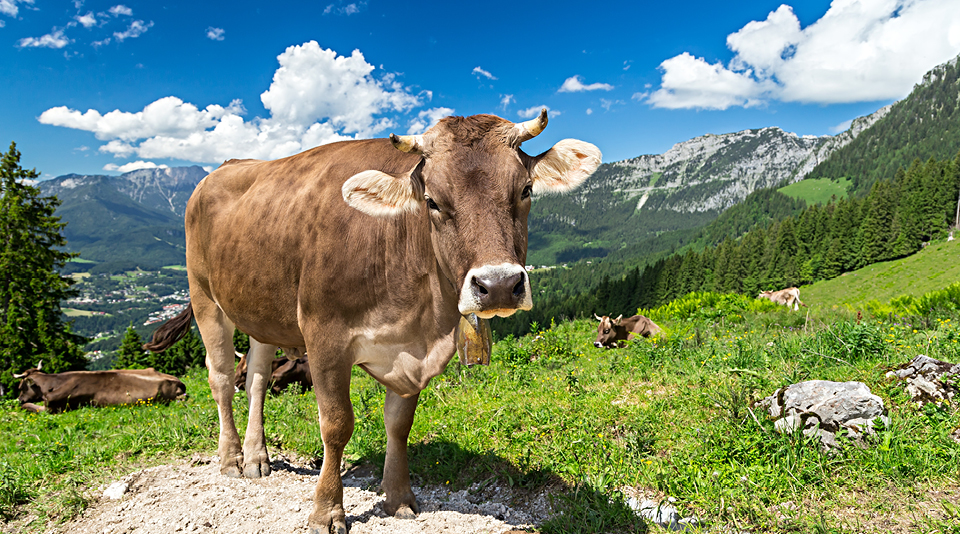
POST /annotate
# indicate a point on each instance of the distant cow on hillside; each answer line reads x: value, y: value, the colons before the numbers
x: 786, y: 297
x: 60, y: 392
x: 613, y: 332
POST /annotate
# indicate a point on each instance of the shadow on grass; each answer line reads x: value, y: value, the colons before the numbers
x: 577, y: 508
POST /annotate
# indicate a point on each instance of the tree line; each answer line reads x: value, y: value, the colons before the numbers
x: 893, y: 220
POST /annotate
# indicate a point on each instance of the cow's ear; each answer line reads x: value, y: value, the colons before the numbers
x: 564, y: 167
x: 382, y: 195
x: 618, y: 319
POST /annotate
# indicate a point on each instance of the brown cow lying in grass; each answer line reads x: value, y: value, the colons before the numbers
x: 60, y: 392
x: 785, y: 297
x: 613, y: 332
x: 283, y: 372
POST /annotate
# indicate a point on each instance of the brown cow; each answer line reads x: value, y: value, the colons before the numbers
x: 612, y: 333
x: 67, y: 391
x: 362, y: 253
x: 785, y: 297
x: 284, y: 372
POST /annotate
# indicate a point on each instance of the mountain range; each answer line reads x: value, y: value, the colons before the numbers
x: 138, y: 216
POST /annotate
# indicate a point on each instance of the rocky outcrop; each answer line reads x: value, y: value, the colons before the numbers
x: 929, y: 380
x: 822, y: 408
x: 714, y: 172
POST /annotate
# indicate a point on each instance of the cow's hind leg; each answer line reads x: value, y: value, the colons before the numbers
x: 217, y: 333
x: 256, y: 462
x: 398, y: 418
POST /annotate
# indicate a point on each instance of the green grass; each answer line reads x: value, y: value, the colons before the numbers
x: 80, y: 260
x: 934, y: 267
x: 817, y: 190
x: 175, y: 267
x: 671, y: 417
x: 73, y: 312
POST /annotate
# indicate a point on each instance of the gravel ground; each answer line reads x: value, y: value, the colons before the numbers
x: 192, y: 497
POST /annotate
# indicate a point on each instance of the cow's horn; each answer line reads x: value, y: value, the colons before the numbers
x: 529, y: 129
x: 598, y: 317
x: 412, y: 144
x: 19, y: 376
x: 39, y: 365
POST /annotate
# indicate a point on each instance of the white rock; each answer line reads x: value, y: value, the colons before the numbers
x: 115, y: 491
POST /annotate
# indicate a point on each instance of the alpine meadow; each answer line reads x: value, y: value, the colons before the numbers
x: 702, y: 427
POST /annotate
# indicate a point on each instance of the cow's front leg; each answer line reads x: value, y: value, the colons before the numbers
x: 398, y: 418
x: 331, y: 384
x: 256, y: 461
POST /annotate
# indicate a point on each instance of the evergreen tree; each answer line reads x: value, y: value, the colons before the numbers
x: 31, y: 288
x: 184, y: 355
x: 131, y: 354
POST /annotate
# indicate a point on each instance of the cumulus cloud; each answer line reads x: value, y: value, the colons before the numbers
x: 859, y: 51
x: 88, y: 20
x: 119, y: 10
x: 136, y: 29
x: 480, y: 72
x: 574, y: 84
x: 342, y: 8
x: 316, y: 97
x: 54, y: 39
x: 133, y: 166
x: 530, y: 113
x: 427, y: 118
x: 9, y: 7
x: 215, y: 34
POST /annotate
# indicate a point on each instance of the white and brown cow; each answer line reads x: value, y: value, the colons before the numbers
x: 611, y: 333
x: 362, y: 253
x: 785, y: 297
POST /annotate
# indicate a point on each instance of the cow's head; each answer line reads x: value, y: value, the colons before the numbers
x: 474, y: 184
x: 607, y: 331
x: 30, y: 391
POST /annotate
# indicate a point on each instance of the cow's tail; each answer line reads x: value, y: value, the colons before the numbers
x: 171, y: 331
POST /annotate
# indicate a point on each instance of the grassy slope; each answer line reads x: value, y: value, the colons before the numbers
x: 934, y: 267
x: 818, y: 190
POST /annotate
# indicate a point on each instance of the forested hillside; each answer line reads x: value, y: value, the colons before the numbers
x: 924, y: 125
x: 892, y: 221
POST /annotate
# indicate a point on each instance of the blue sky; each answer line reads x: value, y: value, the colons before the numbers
x: 108, y: 86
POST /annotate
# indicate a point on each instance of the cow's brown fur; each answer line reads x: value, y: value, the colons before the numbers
x: 785, y: 297
x: 67, y: 391
x: 612, y: 333
x: 360, y: 254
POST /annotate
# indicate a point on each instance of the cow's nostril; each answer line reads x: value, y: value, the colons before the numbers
x: 480, y: 287
x: 519, y: 288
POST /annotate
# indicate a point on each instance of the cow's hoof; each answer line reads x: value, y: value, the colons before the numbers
x: 256, y: 470
x: 338, y: 527
x: 231, y: 471
x: 404, y: 512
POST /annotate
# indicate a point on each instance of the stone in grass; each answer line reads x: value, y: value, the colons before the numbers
x: 929, y: 380
x: 823, y: 408
x: 115, y: 491
x: 662, y: 514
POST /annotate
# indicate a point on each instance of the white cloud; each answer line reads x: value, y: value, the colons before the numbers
x: 340, y: 8
x: 589, y: 111
x: 136, y: 29
x: 505, y: 101
x: 574, y: 84
x: 9, y: 7
x: 859, y: 51
x: 480, y: 72
x: 215, y: 34
x: 121, y: 9
x: 607, y: 104
x: 133, y: 166
x: 88, y: 20
x: 842, y: 127
x: 98, y: 44
x: 530, y: 113
x: 316, y: 97
x: 427, y: 118
x: 54, y: 39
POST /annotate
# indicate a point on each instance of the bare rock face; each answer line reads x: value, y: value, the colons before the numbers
x: 823, y: 408
x: 929, y: 380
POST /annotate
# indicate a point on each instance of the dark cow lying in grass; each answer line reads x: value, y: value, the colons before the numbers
x: 283, y: 372
x: 60, y: 392
x: 613, y: 332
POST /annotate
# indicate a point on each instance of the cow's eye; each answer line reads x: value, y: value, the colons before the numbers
x: 606, y: 331
x: 525, y: 194
x: 432, y: 205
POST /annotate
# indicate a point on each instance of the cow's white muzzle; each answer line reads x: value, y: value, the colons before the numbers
x: 495, y: 290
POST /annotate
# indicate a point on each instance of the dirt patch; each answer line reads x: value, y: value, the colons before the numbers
x: 192, y: 497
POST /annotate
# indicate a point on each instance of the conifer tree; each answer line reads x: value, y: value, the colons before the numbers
x: 31, y: 287
x: 186, y: 354
x: 131, y: 354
